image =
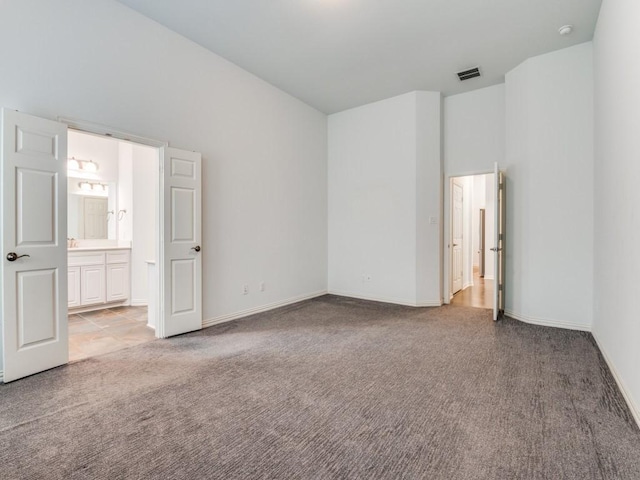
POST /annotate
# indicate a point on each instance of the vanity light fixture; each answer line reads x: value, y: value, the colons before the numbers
x: 89, y: 166
x: 74, y: 163
x: 89, y: 186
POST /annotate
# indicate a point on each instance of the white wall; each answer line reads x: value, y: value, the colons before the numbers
x: 264, y: 152
x: 549, y: 166
x: 384, y: 184
x: 102, y: 150
x: 474, y: 131
x: 617, y: 196
x: 145, y: 171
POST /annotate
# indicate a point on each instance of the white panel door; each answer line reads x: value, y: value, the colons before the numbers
x: 456, y: 237
x: 498, y: 241
x: 34, y: 244
x: 181, y: 233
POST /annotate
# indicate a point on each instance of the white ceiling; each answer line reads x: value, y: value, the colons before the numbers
x: 338, y: 54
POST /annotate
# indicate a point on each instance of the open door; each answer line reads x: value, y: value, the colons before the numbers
x: 179, y: 250
x: 34, y: 245
x: 498, y: 249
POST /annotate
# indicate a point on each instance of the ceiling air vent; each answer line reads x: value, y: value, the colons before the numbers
x: 467, y: 74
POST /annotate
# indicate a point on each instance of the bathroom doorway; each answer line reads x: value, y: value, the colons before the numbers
x: 112, y: 218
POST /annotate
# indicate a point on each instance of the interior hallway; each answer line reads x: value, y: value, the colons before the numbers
x: 480, y: 295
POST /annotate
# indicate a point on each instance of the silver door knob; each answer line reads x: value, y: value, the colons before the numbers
x: 196, y: 248
x: 12, y: 256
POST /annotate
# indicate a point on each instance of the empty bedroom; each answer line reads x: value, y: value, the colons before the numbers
x: 374, y: 240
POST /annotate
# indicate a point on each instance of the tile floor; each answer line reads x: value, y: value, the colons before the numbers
x: 107, y: 330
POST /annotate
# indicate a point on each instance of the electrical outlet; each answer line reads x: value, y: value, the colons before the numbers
x: 262, y: 286
x: 245, y: 289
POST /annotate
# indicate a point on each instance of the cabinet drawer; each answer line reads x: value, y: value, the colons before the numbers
x: 89, y: 258
x: 117, y: 257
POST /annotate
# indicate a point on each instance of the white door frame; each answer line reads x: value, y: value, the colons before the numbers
x: 446, y: 230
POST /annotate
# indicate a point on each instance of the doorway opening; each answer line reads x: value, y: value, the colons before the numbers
x: 112, y: 219
x: 471, y: 232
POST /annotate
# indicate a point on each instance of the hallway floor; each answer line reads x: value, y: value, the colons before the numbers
x: 103, y: 331
x: 480, y: 295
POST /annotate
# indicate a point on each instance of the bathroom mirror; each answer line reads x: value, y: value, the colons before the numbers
x: 92, y: 208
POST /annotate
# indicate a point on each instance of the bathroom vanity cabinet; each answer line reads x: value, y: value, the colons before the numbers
x: 99, y: 278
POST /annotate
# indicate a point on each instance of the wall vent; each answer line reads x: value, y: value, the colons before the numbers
x: 470, y: 73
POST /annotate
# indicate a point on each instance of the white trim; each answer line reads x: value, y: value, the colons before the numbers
x: 264, y: 308
x: 635, y: 409
x: 467, y: 285
x: 469, y: 173
x: 427, y: 304
x: 548, y: 322
x: 396, y: 301
x: 105, y: 131
x: 141, y: 302
x: 2, y: 376
x: 489, y: 277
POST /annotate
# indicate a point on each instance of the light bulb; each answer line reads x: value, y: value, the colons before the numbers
x: 90, y: 166
x: 72, y: 164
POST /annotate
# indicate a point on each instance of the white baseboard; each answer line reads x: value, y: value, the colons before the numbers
x: 1, y: 376
x: 396, y: 301
x: 548, y: 322
x: 264, y: 308
x: 489, y: 277
x: 142, y: 302
x: 467, y: 285
x: 633, y: 406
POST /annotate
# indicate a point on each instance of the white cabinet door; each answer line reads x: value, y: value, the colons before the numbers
x: 33, y: 306
x: 74, y: 286
x: 117, y: 282
x: 92, y: 288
